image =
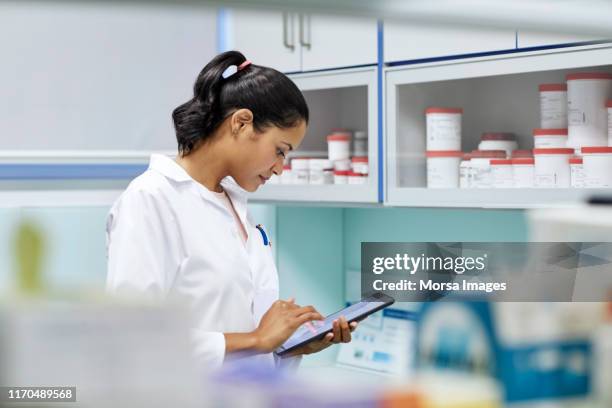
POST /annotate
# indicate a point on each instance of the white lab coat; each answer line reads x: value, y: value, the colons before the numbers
x: 169, y: 235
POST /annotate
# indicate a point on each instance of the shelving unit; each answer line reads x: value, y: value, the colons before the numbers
x: 497, y: 94
x: 337, y: 99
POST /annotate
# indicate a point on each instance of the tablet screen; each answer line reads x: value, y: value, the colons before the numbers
x: 317, y: 327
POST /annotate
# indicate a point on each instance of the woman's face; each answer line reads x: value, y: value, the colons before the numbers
x: 263, y: 153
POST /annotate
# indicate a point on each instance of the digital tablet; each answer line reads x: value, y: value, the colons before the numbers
x: 317, y: 329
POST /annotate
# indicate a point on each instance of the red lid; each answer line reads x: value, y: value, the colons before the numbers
x: 339, y: 137
x: 444, y: 153
x: 575, y: 160
x: 437, y: 109
x: 522, y: 153
x: 497, y: 136
x: 287, y: 167
x: 500, y: 162
x: 466, y: 156
x: 588, y: 75
x: 557, y: 150
x: 353, y: 174
x: 488, y: 154
x: 550, y: 132
x: 341, y: 172
x: 523, y: 160
x: 553, y: 87
x: 609, y: 103
x: 359, y: 159
x: 596, y: 149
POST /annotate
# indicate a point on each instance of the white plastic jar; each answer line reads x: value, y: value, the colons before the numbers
x: 341, y: 176
x: 609, y: 109
x: 576, y: 172
x: 443, y: 128
x: 443, y: 168
x: 321, y: 171
x: 342, y: 164
x: 360, y: 143
x: 501, y: 173
x: 587, y: 119
x: 597, y: 165
x: 498, y: 141
x: 360, y: 165
x: 480, y: 167
x: 287, y: 175
x: 552, y: 167
x: 553, y: 106
x: 464, y: 171
x: 357, y: 178
x: 548, y: 138
x: 338, y: 146
x: 300, y: 169
x: 523, y: 172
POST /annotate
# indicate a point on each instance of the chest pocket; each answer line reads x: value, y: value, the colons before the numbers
x: 265, y: 276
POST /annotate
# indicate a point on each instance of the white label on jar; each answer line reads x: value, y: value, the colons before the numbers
x: 545, y: 180
x: 502, y: 176
x: 464, y: 174
x: 577, y: 175
x: 443, y: 131
x: 523, y: 176
x: 300, y: 176
x: 609, y: 126
x: 553, y: 110
x: 576, y: 117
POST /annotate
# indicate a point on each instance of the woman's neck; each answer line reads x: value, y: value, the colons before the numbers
x: 205, y: 165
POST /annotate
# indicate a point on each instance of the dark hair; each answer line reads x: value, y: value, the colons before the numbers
x: 270, y: 95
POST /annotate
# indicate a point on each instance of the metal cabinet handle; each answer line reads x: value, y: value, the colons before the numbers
x: 288, y: 40
x: 305, y: 30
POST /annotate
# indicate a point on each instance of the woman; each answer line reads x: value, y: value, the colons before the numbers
x: 181, y: 228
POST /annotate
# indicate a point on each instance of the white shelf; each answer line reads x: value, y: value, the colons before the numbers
x: 346, y: 99
x: 497, y: 94
x: 58, y: 198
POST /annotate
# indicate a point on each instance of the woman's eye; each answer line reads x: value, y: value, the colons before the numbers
x: 280, y: 153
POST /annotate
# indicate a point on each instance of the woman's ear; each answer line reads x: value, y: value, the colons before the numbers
x: 241, y: 120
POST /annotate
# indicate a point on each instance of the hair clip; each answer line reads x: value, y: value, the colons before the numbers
x: 232, y: 69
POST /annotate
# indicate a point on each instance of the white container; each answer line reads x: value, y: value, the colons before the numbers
x: 443, y: 168
x: 341, y: 176
x: 498, y: 141
x: 549, y: 138
x: 360, y: 143
x: 553, y: 106
x: 552, y: 167
x: 597, y: 164
x: 286, y: 176
x: 609, y: 109
x: 300, y: 168
x: 360, y: 165
x: 586, y: 111
x: 523, y: 172
x: 480, y: 167
x: 464, y: 171
x: 357, y: 178
x: 274, y: 179
x: 443, y: 128
x: 342, y: 165
x: 338, y: 146
x: 501, y: 173
x: 576, y: 172
x: 321, y: 171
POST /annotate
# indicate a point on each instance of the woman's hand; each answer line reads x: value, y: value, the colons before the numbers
x: 281, y: 320
x: 341, y: 333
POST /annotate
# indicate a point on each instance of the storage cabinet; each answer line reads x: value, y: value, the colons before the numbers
x: 404, y: 42
x: 497, y: 94
x: 292, y: 42
x: 337, y: 99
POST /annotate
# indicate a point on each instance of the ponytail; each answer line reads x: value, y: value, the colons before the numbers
x: 270, y: 95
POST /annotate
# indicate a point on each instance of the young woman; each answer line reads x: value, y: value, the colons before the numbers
x: 181, y: 228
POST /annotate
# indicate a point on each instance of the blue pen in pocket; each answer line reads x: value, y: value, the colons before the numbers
x: 266, y: 242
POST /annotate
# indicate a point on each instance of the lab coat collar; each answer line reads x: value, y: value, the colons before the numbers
x: 171, y: 169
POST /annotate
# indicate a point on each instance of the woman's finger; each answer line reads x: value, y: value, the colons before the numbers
x: 336, y: 331
x: 353, y: 326
x: 346, y: 332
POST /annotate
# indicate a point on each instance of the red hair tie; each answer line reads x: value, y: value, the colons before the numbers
x: 245, y: 64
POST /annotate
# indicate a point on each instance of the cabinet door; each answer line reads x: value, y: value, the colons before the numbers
x: 333, y: 41
x: 265, y: 37
x: 409, y: 42
x: 538, y: 39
